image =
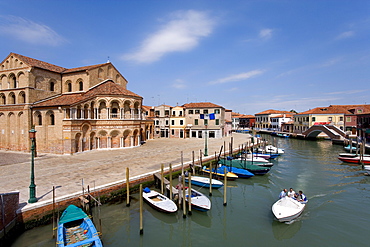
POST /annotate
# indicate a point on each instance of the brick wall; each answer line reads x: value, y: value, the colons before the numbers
x: 9, y: 203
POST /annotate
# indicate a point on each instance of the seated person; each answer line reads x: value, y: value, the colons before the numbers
x: 291, y: 193
x: 301, y: 197
x: 283, y: 193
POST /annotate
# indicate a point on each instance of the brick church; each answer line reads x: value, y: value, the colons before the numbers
x: 72, y: 110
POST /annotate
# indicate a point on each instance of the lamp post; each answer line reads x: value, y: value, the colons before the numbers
x: 32, y: 135
x: 206, y: 142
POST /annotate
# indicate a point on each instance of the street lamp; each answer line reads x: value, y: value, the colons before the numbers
x: 32, y: 135
x: 206, y: 142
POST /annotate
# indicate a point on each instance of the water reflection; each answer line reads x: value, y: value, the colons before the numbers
x: 285, y: 230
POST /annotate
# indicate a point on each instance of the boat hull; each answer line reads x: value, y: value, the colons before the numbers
x: 242, y: 173
x: 198, y: 201
x: 355, y: 160
x: 287, y: 209
x: 159, y: 202
x: 204, y: 182
x: 75, y: 228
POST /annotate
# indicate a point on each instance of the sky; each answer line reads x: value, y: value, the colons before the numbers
x: 247, y: 56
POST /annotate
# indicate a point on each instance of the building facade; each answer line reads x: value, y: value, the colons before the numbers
x: 72, y: 110
x: 263, y: 119
x: 204, y: 118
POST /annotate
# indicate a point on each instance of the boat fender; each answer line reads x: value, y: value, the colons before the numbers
x: 85, y: 231
x: 146, y: 190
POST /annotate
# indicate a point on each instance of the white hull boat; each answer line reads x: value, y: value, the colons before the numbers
x: 204, y: 182
x: 271, y: 149
x: 198, y: 200
x: 159, y: 201
x: 287, y: 209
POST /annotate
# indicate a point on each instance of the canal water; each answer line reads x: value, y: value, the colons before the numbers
x: 337, y: 213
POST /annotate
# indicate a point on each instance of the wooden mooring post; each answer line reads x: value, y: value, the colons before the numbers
x: 141, y: 209
x: 225, y: 187
x: 189, y: 194
x: 127, y: 187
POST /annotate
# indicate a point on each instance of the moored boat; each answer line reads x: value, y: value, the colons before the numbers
x: 271, y: 149
x: 287, y: 209
x: 256, y: 170
x: 198, y: 200
x: 349, y: 148
x: 241, y: 173
x: 355, y: 160
x: 75, y: 228
x: 204, y: 182
x: 159, y: 201
x: 220, y: 173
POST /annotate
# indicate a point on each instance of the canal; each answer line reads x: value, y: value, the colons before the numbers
x: 337, y: 213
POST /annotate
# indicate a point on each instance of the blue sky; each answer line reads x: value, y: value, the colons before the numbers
x: 248, y: 56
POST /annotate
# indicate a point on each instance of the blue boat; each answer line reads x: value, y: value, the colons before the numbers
x: 242, y: 173
x: 75, y: 228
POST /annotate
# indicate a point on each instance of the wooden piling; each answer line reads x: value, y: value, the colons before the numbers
x: 183, y: 197
x: 54, y: 228
x: 225, y: 187
x: 170, y: 181
x: 162, y: 176
x: 210, y: 179
x: 189, y: 194
x: 141, y: 209
x: 127, y: 187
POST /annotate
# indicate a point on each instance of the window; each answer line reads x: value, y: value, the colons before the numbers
x: 173, y: 132
x: 52, y: 119
x: 313, y: 119
x: 39, y: 119
x: 51, y: 86
x: 172, y: 122
x: 205, y: 121
x: 212, y: 134
x: 181, y: 122
x: 330, y: 119
x: 180, y: 113
x: 205, y: 111
x: 217, y: 122
x: 166, y: 112
x: 191, y: 112
x: 156, y: 122
x: 167, y: 122
x: 348, y: 119
x: 195, y: 121
x: 69, y: 87
x: 81, y: 86
x: 197, y: 111
x: 340, y: 118
x: 193, y: 134
x: 173, y: 113
x: 156, y: 113
x: 217, y: 111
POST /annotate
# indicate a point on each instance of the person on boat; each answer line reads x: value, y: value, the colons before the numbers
x: 302, y: 197
x: 291, y: 193
x: 283, y: 193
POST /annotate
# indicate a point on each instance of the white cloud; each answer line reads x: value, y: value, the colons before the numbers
x: 345, y: 35
x: 179, y: 84
x: 266, y: 33
x: 238, y: 77
x: 181, y: 33
x: 29, y: 31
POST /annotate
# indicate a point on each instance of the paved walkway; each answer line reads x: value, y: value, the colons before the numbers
x: 98, y: 167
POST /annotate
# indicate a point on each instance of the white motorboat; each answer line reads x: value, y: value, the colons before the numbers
x: 271, y: 149
x: 198, y: 200
x: 159, y: 201
x: 287, y: 209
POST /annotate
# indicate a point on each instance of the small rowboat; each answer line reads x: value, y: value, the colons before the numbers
x: 158, y: 201
x: 204, y: 182
x: 75, y: 228
x: 287, y: 209
x: 198, y: 201
x: 221, y: 173
x: 256, y: 170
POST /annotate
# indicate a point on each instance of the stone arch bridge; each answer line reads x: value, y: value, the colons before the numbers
x: 332, y: 131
